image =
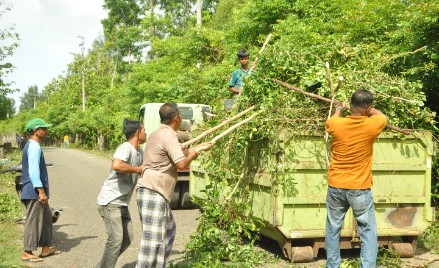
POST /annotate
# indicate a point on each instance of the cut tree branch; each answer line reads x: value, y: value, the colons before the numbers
x: 403, y: 131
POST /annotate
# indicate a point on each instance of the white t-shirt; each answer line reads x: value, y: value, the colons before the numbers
x: 118, y: 188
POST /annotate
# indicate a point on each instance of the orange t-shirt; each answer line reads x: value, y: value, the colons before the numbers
x: 351, y: 150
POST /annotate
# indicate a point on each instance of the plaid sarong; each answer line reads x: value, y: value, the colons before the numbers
x: 158, y: 228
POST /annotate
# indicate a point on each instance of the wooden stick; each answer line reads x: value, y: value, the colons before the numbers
x: 328, y: 77
x: 230, y: 129
x: 207, y: 132
x: 403, y: 131
x: 340, y: 79
x: 252, y: 68
x: 234, y: 188
x: 262, y: 49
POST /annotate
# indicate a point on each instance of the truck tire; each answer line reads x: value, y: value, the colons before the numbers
x: 185, y: 201
x: 404, y: 250
x: 302, y: 254
x: 175, y: 196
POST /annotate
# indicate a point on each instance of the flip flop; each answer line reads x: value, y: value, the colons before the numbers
x: 32, y: 259
x: 55, y: 252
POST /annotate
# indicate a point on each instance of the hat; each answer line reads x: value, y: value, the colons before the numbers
x: 36, y: 123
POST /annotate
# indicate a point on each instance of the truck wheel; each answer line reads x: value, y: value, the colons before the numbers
x: 302, y: 254
x: 185, y: 200
x: 175, y: 196
x: 404, y: 250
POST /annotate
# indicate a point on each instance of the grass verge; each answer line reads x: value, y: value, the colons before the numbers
x: 10, y: 211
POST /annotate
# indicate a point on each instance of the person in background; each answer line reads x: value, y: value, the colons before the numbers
x: 350, y: 176
x: 115, y: 195
x: 35, y: 195
x: 19, y: 141
x: 162, y: 157
x: 66, y: 141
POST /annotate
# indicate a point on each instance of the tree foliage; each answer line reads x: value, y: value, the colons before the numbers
x: 388, y: 47
x: 9, y: 39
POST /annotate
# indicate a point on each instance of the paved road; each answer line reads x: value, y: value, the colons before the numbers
x: 75, y: 180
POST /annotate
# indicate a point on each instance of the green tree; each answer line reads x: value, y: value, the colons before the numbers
x: 7, y: 109
x: 30, y: 99
x: 121, y: 29
x: 9, y: 39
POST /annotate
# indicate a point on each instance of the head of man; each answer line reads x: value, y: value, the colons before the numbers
x: 37, y: 129
x: 134, y: 129
x: 243, y: 57
x: 170, y: 115
x: 361, y: 102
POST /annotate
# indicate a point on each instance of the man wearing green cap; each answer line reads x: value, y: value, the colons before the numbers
x: 35, y: 195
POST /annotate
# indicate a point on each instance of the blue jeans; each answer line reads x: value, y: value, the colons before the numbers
x: 338, y: 202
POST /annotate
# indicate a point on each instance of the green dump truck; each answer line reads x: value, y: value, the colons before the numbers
x: 191, y: 114
x: 295, y: 216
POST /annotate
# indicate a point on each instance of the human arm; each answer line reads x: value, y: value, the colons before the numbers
x: 193, y: 154
x: 34, y: 156
x: 120, y: 166
x: 254, y: 64
x: 234, y: 90
x: 373, y: 111
x: 234, y: 84
x: 339, y: 107
x: 42, y: 197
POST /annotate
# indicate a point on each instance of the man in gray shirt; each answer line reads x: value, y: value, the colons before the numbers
x: 116, y: 193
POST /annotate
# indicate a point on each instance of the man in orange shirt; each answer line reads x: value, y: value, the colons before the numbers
x: 350, y: 176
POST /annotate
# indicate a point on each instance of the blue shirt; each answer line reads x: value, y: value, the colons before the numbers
x: 34, y: 171
x: 237, y: 78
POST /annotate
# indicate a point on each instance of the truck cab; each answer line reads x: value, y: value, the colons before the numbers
x: 192, y: 115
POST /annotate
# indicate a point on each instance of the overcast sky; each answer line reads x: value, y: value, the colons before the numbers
x: 49, y: 31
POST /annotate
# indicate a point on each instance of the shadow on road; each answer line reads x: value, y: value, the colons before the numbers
x: 130, y: 265
x: 64, y: 243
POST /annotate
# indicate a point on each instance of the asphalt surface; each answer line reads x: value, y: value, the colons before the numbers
x: 76, y: 178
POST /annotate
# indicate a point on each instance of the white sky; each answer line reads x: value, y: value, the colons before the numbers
x: 49, y: 31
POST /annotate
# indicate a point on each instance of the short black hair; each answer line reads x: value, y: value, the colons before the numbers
x: 362, y: 98
x: 130, y: 127
x: 167, y: 112
x: 243, y: 53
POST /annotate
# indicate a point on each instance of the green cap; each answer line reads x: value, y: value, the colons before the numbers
x: 36, y: 123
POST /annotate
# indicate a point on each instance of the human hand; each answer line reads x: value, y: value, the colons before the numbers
x: 255, y: 63
x: 138, y: 170
x: 203, y: 147
x: 42, y: 198
x: 340, y: 105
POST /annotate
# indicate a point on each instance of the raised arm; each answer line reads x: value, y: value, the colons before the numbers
x: 122, y: 167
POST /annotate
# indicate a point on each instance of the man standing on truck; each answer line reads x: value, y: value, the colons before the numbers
x: 350, y: 176
x: 236, y: 81
x: 35, y: 195
x: 115, y: 195
x: 162, y: 157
